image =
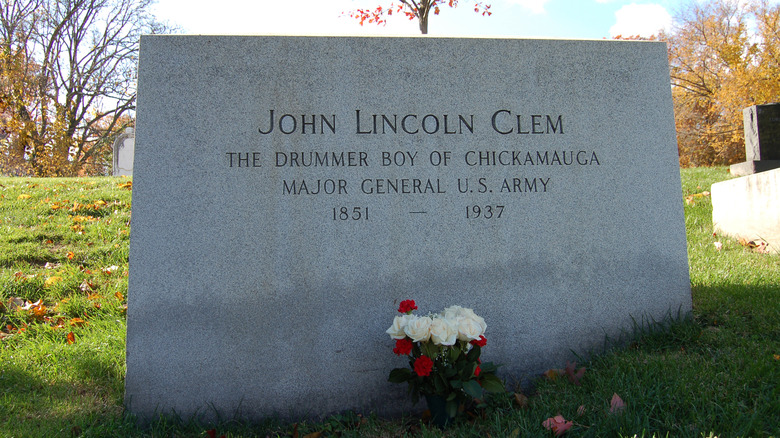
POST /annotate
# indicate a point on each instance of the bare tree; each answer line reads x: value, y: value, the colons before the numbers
x: 78, y: 89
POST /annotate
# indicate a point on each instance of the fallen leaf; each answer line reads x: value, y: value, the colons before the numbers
x: 119, y: 296
x: 313, y: 435
x: 15, y: 302
x: 77, y: 322
x: 756, y: 245
x: 24, y: 196
x: 616, y: 405
x: 521, y: 400
x: 87, y: 286
x: 51, y: 281
x: 581, y: 410
x: 557, y: 424
x: 551, y: 374
x: 38, y: 311
x: 29, y: 305
x: 71, y: 255
x: 71, y: 338
x: 574, y: 375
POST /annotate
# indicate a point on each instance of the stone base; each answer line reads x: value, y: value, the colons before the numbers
x: 747, y: 208
x: 751, y: 167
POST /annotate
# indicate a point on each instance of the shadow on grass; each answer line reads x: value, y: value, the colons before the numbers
x: 32, y: 406
x: 744, y: 308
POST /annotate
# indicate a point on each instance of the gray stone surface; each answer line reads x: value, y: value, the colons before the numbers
x: 250, y: 296
x: 748, y: 208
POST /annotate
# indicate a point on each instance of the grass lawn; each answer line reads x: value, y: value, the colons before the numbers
x: 63, y: 278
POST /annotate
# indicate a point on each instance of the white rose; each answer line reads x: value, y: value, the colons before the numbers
x: 481, y: 322
x: 418, y: 328
x: 469, y: 329
x: 452, y: 312
x: 460, y: 313
x: 444, y: 331
x: 396, y: 331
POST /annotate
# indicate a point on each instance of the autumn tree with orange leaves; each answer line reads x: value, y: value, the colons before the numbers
x: 67, y: 81
x: 724, y: 56
x: 412, y: 9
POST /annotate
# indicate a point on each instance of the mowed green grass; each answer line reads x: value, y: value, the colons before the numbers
x: 63, y: 271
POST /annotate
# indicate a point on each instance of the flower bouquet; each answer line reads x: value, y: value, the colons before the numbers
x: 444, y: 363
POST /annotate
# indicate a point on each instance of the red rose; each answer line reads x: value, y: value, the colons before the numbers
x: 423, y: 366
x: 481, y: 342
x: 477, y: 371
x: 403, y: 346
x: 407, y: 306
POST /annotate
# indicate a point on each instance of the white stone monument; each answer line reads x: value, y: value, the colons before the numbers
x: 124, y: 151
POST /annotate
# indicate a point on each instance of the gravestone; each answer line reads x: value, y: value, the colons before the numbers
x: 748, y: 208
x: 124, y: 151
x: 290, y: 191
x: 762, y: 139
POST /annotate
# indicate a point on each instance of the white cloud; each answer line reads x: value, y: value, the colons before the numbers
x: 643, y: 20
x: 535, y: 6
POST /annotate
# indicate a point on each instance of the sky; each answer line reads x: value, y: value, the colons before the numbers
x: 580, y: 19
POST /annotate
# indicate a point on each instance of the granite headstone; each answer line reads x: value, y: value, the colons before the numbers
x: 762, y: 139
x: 290, y: 191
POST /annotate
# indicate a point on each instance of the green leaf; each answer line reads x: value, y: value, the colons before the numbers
x: 400, y: 375
x: 454, y: 352
x: 429, y: 349
x: 452, y: 408
x: 457, y: 384
x: 488, y: 367
x: 474, y: 354
x: 472, y: 388
x: 440, y: 383
x: 492, y: 383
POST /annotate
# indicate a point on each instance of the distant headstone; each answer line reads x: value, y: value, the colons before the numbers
x: 748, y: 208
x: 290, y: 191
x: 124, y: 150
x: 762, y: 139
